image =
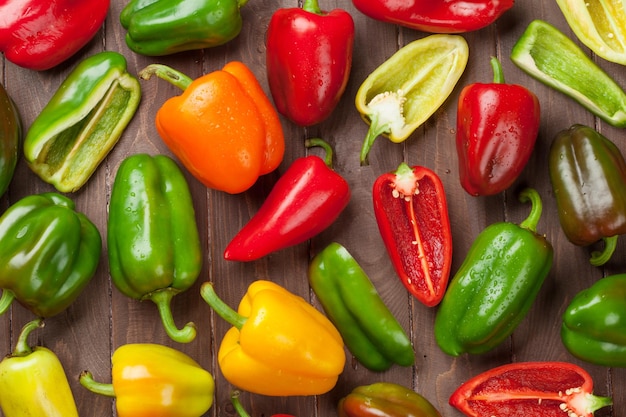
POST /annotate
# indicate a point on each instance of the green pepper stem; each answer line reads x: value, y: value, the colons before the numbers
x: 234, y: 398
x: 166, y: 73
x: 163, y: 298
x: 595, y: 402
x: 6, y: 300
x: 328, y: 160
x: 87, y: 381
x: 221, y: 308
x: 530, y: 194
x: 373, y: 132
x: 599, y: 258
x: 242, y: 3
x: 312, y: 6
x: 21, y: 347
x: 498, y: 75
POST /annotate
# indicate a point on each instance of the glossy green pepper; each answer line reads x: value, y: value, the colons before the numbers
x: 82, y: 122
x: 351, y: 302
x: 496, y: 284
x: 153, y: 241
x: 164, y: 27
x: 49, y: 253
x: 33, y: 381
x: 10, y: 136
x: 594, y: 323
x: 588, y: 176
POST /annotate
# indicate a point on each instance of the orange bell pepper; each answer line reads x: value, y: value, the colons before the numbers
x: 223, y: 127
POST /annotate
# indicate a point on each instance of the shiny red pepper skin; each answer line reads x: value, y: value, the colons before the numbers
x: 305, y: 200
x: 412, y: 215
x: 436, y: 16
x: 497, y: 127
x: 39, y: 35
x: 309, y: 57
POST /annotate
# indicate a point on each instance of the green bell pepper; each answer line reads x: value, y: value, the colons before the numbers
x: 10, y: 136
x: 153, y: 241
x: 594, y: 323
x: 164, y: 27
x: 49, y: 253
x: 495, y: 286
x: 588, y: 176
x: 351, y: 302
x: 82, y: 122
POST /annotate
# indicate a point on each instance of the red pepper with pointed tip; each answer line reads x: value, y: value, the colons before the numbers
x: 412, y: 215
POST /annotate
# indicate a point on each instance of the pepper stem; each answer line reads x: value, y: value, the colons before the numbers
x: 312, y: 6
x: 163, y: 298
x: 166, y: 73
x: 530, y: 194
x: 498, y: 75
x: 221, y: 308
x: 242, y: 3
x: 600, y: 258
x: 328, y: 160
x: 595, y: 402
x: 234, y: 398
x: 373, y: 132
x: 6, y: 300
x: 21, y: 347
x: 87, y: 381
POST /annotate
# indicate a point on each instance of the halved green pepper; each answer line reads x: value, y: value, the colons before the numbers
x: 83, y: 121
x: 49, y: 253
x: 594, y: 323
x: 164, y: 27
x: 153, y: 241
x: 495, y: 285
x: 351, y: 302
x: 10, y: 136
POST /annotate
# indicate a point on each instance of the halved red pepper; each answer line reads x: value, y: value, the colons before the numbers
x: 546, y: 389
x: 412, y: 215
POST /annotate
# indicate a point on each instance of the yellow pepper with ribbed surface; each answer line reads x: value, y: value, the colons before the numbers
x: 280, y: 344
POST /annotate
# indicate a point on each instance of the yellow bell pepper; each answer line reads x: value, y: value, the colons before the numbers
x: 280, y: 344
x: 151, y: 380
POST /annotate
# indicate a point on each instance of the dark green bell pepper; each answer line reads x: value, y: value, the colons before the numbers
x: 588, y: 176
x: 10, y: 136
x: 49, y: 253
x: 83, y: 121
x: 351, y: 302
x: 594, y: 323
x: 164, y: 27
x: 153, y: 241
x: 495, y: 285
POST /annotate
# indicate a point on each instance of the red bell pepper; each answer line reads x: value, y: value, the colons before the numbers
x: 436, y: 16
x: 546, y: 389
x: 39, y: 35
x: 412, y: 215
x: 309, y: 57
x: 306, y: 199
x: 497, y: 127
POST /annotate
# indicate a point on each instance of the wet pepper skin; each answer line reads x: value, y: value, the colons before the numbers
x: 10, y: 136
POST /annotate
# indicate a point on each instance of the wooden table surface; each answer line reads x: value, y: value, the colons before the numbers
x: 102, y: 319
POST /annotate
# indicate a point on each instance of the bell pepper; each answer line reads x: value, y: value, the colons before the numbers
x: 495, y: 285
x: 83, y: 121
x: 153, y: 240
x: 33, y: 381
x: 497, y: 127
x: 165, y: 27
x: 594, y: 323
x: 436, y: 16
x: 39, y: 35
x: 529, y: 389
x: 223, y: 127
x: 279, y: 344
x: 241, y: 412
x: 351, y: 302
x: 588, y: 176
x: 306, y: 199
x: 149, y: 380
x: 409, y: 87
x: 412, y: 216
x: 548, y: 55
x: 385, y: 399
x: 309, y: 57
x: 49, y: 253
x: 10, y: 138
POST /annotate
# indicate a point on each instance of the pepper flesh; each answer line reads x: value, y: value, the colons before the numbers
x: 49, y: 253
x: 309, y: 57
x: 412, y: 216
x: 165, y: 27
x: 83, y: 121
x: 279, y: 344
x: 550, y: 389
x: 151, y: 380
x: 10, y: 137
x: 153, y: 240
